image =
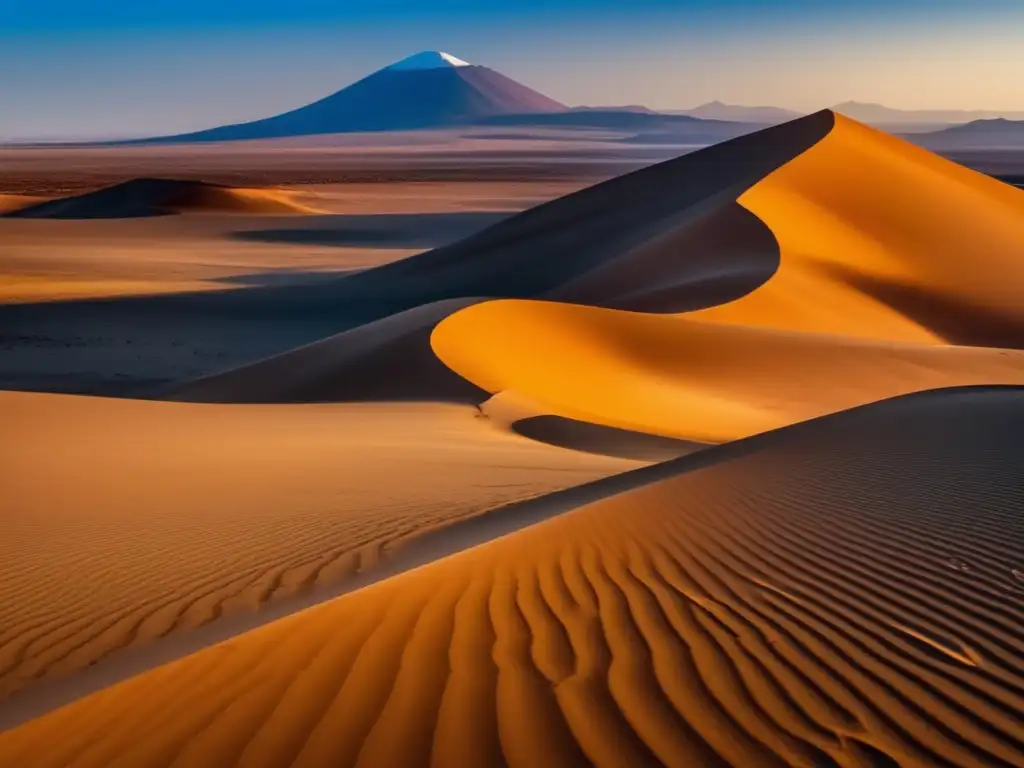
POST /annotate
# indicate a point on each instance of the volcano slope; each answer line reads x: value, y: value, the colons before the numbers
x: 847, y: 591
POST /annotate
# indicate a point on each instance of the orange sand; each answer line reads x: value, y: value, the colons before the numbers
x: 882, y: 239
x: 692, y: 380
x: 817, y: 596
x: 169, y: 515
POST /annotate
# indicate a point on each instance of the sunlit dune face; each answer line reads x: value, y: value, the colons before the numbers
x: 693, y: 380
x: 880, y: 238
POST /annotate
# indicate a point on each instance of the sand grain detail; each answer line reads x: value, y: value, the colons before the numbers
x: 789, y: 604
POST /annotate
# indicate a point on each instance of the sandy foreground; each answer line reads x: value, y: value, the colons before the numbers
x: 844, y: 592
x: 703, y: 465
x: 127, y: 521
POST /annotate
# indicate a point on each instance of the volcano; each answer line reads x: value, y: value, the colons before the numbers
x: 431, y: 89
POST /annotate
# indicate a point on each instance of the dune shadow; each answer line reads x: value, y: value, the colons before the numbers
x: 272, y: 278
x: 383, y: 230
x: 956, y: 319
x: 607, y: 441
x: 142, y: 213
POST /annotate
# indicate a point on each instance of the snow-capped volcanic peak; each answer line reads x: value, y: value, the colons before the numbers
x: 429, y: 60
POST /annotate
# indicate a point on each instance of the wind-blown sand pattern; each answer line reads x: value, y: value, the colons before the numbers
x: 819, y: 578
x: 843, y: 592
x: 125, y: 521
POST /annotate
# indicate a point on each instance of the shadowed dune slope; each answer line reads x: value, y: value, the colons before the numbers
x: 846, y: 592
x: 882, y: 239
x: 681, y: 378
x: 389, y: 359
x: 124, y: 523
x: 160, y: 197
x: 661, y: 230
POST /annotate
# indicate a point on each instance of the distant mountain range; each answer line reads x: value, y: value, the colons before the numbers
x: 877, y: 114
x: 997, y: 133
x: 434, y: 89
x: 716, y: 110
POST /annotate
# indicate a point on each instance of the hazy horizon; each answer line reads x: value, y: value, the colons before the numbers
x: 78, y: 69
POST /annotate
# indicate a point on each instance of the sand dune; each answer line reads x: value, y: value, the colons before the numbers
x: 660, y: 227
x: 820, y: 224
x: 882, y: 239
x: 158, y: 197
x: 770, y: 325
x: 124, y: 521
x: 714, y: 257
x: 846, y: 592
x: 688, y: 379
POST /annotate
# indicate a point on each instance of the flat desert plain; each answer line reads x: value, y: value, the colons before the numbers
x: 512, y: 452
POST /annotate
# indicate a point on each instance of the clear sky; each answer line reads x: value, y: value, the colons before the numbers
x: 71, y: 68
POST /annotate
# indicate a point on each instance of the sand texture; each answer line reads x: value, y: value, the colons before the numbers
x: 124, y: 521
x: 844, y: 592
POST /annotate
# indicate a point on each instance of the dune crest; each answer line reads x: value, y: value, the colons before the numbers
x: 818, y: 596
x: 160, y: 197
x: 882, y: 239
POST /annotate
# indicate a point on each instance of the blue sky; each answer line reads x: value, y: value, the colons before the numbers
x: 111, y: 67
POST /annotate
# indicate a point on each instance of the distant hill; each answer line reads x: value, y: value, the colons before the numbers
x: 624, y: 108
x: 878, y: 114
x: 647, y: 127
x: 162, y: 197
x: 428, y: 90
x: 716, y: 110
x: 998, y: 133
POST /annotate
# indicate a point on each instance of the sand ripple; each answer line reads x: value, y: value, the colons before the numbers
x: 791, y: 603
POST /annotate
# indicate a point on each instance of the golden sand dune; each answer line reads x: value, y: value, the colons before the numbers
x: 820, y: 224
x: 687, y: 379
x: 852, y: 208
x: 10, y: 203
x: 157, y: 197
x: 847, y: 592
x: 124, y: 521
x: 882, y: 239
